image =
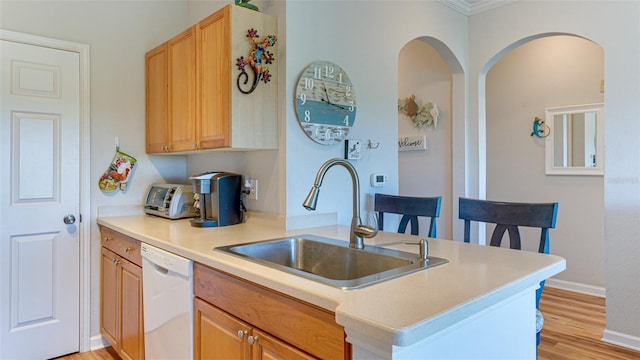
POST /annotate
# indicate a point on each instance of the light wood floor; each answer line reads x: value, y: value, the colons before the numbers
x: 100, y: 354
x: 573, y: 326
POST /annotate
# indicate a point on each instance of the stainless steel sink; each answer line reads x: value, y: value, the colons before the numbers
x: 331, y: 261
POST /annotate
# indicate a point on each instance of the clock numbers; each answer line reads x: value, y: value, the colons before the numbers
x: 308, y: 83
x: 319, y: 135
x: 328, y: 72
x: 325, y: 102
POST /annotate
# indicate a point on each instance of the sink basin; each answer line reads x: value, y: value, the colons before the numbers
x: 330, y: 261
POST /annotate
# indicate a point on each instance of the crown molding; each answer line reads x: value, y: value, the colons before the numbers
x: 472, y: 7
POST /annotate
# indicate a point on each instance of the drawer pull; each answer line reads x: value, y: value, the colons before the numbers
x: 106, y: 239
x: 127, y: 250
x: 242, y: 333
x: 253, y: 340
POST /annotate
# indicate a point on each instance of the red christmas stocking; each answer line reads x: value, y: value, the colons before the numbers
x: 116, y: 175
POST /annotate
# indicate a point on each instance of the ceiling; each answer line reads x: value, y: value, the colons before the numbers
x: 472, y: 7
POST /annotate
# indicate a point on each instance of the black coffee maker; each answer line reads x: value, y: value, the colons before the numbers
x: 218, y: 197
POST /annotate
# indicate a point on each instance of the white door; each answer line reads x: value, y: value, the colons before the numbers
x: 39, y: 182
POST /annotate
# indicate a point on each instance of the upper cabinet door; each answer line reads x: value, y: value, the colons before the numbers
x: 182, y: 91
x: 156, y: 91
x: 214, y: 87
x: 206, y: 110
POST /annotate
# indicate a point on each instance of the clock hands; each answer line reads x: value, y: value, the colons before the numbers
x: 326, y: 94
x: 329, y: 101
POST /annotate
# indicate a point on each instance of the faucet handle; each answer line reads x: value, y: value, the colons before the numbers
x: 366, y: 231
x: 424, y: 248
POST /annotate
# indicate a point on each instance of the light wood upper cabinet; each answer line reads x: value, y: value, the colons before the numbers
x: 157, y: 124
x: 214, y: 75
x: 182, y: 91
x: 206, y: 110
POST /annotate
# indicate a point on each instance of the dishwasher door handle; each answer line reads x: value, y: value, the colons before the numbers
x: 162, y: 270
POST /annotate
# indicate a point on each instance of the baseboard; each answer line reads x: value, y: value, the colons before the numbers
x: 98, y: 342
x: 576, y: 287
x: 620, y: 339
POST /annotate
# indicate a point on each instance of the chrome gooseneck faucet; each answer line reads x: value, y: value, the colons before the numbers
x: 358, y: 230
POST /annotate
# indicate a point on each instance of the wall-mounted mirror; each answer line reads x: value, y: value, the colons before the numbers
x: 576, y: 143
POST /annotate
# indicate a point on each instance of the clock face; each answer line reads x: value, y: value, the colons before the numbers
x: 325, y: 102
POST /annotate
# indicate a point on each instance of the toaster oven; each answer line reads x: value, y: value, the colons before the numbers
x: 171, y: 201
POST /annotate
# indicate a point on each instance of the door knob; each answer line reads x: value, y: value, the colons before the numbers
x: 69, y: 219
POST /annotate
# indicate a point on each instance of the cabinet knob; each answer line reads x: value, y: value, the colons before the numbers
x: 242, y: 333
x: 107, y: 239
x: 116, y: 261
x: 253, y: 340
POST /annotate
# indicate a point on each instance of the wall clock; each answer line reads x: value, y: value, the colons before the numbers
x: 325, y: 102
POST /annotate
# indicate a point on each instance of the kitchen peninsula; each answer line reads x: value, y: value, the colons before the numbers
x: 480, y: 304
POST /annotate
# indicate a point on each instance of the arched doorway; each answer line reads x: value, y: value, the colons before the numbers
x: 526, y: 78
x: 428, y: 71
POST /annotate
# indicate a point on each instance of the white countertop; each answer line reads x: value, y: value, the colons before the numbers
x: 400, y: 311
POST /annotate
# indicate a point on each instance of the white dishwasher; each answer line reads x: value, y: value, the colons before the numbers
x: 167, y: 295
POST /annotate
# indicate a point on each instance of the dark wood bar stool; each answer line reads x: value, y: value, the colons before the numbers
x: 410, y: 208
x: 508, y: 217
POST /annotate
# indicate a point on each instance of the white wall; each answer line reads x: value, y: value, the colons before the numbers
x: 422, y: 72
x: 547, y: 72
x: 365, y: 39
x: 616, y: 27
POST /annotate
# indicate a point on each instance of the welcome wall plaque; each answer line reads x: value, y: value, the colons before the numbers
x: 412, y: 143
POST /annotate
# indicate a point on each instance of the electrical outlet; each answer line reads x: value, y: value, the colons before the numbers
x: 253, y: 189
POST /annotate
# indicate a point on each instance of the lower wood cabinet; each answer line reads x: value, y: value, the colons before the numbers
x: 121, y: 321
x: 234, y: 318
x: 219, y: 335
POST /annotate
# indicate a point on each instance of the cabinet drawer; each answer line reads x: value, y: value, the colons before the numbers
x: 123, y: 245
x: 305, y: 326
